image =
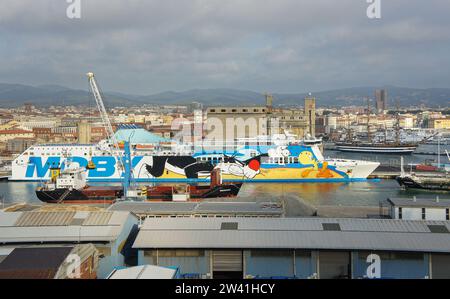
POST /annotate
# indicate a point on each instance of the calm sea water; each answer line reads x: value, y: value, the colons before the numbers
x: 368, y: 193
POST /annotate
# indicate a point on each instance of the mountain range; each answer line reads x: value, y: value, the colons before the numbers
x: 13, y: 95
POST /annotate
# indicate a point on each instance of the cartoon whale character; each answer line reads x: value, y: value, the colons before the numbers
x: 307, y: 158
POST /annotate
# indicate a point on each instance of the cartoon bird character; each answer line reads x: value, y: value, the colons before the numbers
x: 324, y: 172
x: 307, y: 158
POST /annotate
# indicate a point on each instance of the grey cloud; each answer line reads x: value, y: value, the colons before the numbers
x: 278, y: 45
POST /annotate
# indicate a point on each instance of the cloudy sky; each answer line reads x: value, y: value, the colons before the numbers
x: 149, y: 46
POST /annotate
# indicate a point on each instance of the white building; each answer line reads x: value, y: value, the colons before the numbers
x: 419, y: 209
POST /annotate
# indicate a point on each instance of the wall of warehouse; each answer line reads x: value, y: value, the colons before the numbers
x: 112, y: 251
x: 393, y: 265
x: 410, y: 213
x: 270, y: 263
x: 188, y: 261
x: 278, y: 263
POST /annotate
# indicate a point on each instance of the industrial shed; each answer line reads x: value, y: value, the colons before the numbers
x: 74, y: 262
x: 107, y: 231
x: 419, y: 208
x: 296, y: 247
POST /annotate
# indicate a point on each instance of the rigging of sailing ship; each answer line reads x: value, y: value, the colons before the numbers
x: 374, y: 146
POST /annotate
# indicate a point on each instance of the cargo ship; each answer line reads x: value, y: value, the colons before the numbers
x: 70, y: 186
x: 155, y: 159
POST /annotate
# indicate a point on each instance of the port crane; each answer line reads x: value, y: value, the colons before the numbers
x: 124, y: 162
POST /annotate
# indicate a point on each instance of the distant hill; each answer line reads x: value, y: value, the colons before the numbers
x: 44, y: 95
x: 13, y: 95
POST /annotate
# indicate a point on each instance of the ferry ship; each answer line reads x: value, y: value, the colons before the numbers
x: 279, y: 158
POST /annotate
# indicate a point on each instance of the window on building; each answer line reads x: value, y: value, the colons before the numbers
x: 400, y: 213
x: 447, y: 214
x: 423, y: 214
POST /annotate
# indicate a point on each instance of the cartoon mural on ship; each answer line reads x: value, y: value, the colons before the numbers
x: 192, y: 168
x: 183, y: 165
x: 276, y: 162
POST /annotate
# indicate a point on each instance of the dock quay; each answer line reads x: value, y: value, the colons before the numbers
x: 391, y: 172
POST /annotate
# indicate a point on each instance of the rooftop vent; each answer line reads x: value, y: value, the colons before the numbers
x: 229, y: 226
x: 438, y: 229
x: 331, y: 226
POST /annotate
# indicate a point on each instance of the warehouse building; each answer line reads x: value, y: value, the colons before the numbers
x: 296, y: 247
x: 419, y: 209
x: 63, y: 262
x: 110, y: 232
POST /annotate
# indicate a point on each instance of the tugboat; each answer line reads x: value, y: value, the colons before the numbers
x: 69, y: 186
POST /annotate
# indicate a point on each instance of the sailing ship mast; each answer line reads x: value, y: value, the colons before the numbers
x: 397, y: 125
x: 369, y: 137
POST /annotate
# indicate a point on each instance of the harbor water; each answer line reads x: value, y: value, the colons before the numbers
x: 365, y: 193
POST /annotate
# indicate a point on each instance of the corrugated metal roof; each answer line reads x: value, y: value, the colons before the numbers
x: 197, y: 207
x: 98, y: 218
x: 293, y: 233
x: 62, y: 227
x: 59, y: 234
x: 45, y: 218
x: 118, y: 218
x: 9, y: 218
x: 144, y: 272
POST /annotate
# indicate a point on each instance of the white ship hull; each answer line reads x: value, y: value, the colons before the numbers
x: 301, y: 163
